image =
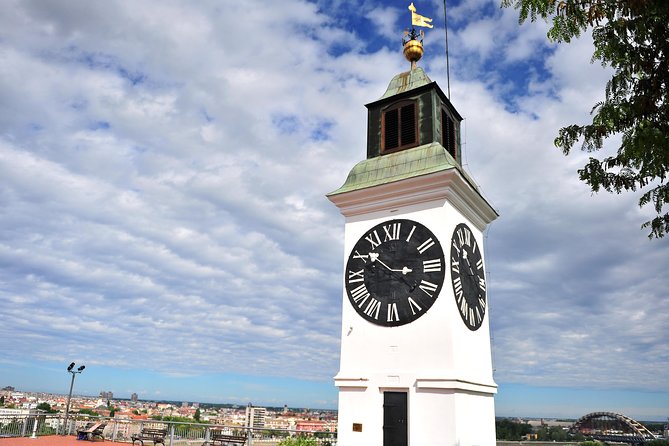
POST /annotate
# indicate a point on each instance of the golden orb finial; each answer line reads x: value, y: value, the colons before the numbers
x: 413, y: 48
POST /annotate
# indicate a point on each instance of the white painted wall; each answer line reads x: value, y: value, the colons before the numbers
x: 445, y: 368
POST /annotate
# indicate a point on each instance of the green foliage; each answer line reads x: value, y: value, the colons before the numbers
x: 590, y: 443
x: 88, y: 412
x: 632, y: 37
x: 172, y: 418
x: 658, y: 442
x: 197, y: 415
x: 2, y: 400
x: 552, y: 433
x: 277, y: 433
x: 299, y: 441
x: 511, y: 430
x: 46, y: 407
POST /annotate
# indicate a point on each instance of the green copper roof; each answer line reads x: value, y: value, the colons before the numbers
x: 421, y: 160
x: 406, y: 81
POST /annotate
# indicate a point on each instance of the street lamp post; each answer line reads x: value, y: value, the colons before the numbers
x: 69, y: 396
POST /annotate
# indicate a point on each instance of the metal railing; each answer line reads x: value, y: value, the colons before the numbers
x: 178, y: 433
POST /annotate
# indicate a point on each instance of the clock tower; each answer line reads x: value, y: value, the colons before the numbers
x: 415, y: 365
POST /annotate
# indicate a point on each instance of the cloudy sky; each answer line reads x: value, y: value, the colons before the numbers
x: 163, y: 219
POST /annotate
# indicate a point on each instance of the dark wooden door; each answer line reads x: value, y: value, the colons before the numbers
x: 395, y: 419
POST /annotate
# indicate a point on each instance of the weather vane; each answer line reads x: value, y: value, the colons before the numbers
x: 413, y: 48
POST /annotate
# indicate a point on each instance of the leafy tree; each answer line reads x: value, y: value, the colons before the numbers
x: 511, y: 430
x: 590, y: 443
x: 299, y: 441
x: 46, y: 407
x: 632, y: 37
x: 658, y: 442
x: 88, y: 412
x: 552, y: 433
x: 273, y: 433
x: 197, y: 415
x: 2, y: 400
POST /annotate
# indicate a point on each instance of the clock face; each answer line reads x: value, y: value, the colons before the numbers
x: 468, y: 277
x: 395, y: 272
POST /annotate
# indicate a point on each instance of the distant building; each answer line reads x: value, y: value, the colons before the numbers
x: 7, y: 414
x: 312, y: 425
x: 255, y: 416
x: 107, y: 395
x: 134, y: 398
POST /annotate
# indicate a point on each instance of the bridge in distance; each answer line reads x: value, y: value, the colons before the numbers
x: 612, y: 427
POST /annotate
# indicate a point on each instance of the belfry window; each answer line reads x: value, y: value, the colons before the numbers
x: 448, y: 136
x: 399, y: 127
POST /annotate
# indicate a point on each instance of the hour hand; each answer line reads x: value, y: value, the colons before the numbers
x: 374, y: 257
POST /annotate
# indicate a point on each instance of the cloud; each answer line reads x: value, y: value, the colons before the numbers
x: 164, y: 168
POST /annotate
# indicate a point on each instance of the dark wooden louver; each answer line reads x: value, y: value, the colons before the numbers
x: 408, y: 121
x: 400, y: 127
x: 392, y: 124
x: 448, y: 134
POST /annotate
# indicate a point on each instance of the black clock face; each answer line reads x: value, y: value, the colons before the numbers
x: 468, y: 277
x: 395, y: 272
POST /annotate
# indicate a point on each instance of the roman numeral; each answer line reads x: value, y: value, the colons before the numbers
x: 362, y: 257
x: 372, y: 309
x: 464, y: 236
x: 427, y: 287
x: 464, y: 309
x: 356, y: 276
x: 478, y: 316
x: 360, y: 295
x: 373, y: 239
x: 481, y: 302
x: 392, y: 231
x: 479, y: 264
x: 431, y: 266
x: 482, y: 283
x: 427, y: 244
x: 411, y: 233
x: 414, y: 306
x: 392, y: 314
x: 456, y: 247
x: 457, y: 287
x: 455, y: 265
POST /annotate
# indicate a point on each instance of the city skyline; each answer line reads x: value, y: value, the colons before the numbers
x: 164, y: 222
x: 195, y: 403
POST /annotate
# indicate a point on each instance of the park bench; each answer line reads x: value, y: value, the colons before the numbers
x: 91, y: 431
x: 150, y: 433
x: 219, y: 438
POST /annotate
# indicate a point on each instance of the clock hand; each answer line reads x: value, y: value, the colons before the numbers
x: 374, y: 257
x: 464, y: 256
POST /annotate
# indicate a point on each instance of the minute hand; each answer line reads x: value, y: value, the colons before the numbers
x: 375, y: 257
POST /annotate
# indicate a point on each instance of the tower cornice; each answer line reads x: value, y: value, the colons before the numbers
x: 419, y: 175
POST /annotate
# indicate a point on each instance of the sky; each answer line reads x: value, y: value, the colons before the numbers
x: 163, y: 220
